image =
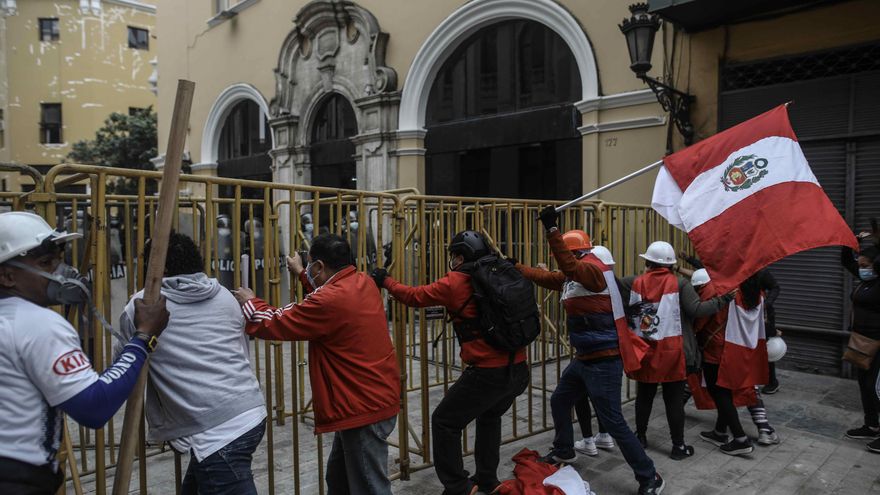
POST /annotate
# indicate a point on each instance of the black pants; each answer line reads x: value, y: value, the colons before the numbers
x: 673, y: 398
x: 484, y: 395
x: 771, y: 332
x: 585, y: 417
x: 723, y: 397
x: 867, y: 382
x: 21, y: 478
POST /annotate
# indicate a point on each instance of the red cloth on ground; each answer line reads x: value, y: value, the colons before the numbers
x: 529, y: 476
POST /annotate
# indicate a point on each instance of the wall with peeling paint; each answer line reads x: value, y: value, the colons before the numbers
x: 90, y: 70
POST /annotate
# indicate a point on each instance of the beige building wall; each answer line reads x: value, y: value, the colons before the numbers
x: 837, y: 25
x: 244, y: 49
x: 90, y: 70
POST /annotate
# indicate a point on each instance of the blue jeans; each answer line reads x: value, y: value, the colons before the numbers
x: 227, y: 471
x: 601, y: 380
x: 358, y: 462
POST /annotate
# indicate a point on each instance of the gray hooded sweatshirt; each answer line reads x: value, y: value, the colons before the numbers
x: 200, y: 375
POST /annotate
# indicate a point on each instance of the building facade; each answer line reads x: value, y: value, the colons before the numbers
x: 390, y: 94
x: 65, y: 66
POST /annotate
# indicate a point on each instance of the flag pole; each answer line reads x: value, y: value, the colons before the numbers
x: 609, y: 186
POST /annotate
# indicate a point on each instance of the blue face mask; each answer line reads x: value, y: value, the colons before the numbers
x: 867, y: 274
x: 310, y: 277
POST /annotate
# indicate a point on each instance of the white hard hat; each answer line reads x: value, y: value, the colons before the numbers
x: 603, y: 254
x: 700, y: 277
x: 660, y: 252
x: 20, y: 232
x: 775, y: 349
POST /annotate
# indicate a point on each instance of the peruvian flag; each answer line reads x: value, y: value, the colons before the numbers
x: 632, y: 348
x: 744, y: 358
x: 746, y: 197
x: 658, y: 323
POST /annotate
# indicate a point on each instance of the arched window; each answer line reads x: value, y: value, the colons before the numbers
x: 502, y: 108
x: 244, y: 145
x: 331, y: 149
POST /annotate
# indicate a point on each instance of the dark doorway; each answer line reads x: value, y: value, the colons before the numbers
x: 501, y: 119
x: 243, y: 149
x: 331, y: 149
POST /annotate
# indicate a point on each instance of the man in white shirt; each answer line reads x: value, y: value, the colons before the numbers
x: 202, y: 396
x: 43, y: 370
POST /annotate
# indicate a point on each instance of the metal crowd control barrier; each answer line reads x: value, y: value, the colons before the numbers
x: 244, y: 229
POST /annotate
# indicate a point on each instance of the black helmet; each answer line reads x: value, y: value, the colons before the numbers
x: 469, y: 244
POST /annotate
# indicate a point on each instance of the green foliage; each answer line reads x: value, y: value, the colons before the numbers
x: 124, y: 141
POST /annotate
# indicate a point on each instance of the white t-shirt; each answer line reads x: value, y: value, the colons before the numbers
x: 205, y: 443
x: 41, y: 366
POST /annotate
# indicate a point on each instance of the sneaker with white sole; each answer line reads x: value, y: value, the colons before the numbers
x: 559, y: 457
x: 586, y: 446
x: 604, y: 441
x: 714, y: 437
x: 767, y: 437
x: 736, y: 447
x: 864, y: 432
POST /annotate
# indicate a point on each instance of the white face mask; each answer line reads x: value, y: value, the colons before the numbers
x: 867, y: 274
x: 310, y: 277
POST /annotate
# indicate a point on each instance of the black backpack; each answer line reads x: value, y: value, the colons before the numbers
x: 508, y: 312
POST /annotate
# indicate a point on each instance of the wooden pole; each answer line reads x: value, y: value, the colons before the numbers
x: 155, y: 270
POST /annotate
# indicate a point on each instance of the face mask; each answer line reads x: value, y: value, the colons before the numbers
x: 310, y: 277
x: 353, y: 225
x: 66, y: 285
x: 309, y: 228
x: 867, y: 274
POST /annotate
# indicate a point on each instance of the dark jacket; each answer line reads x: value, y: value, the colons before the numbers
x: 865, y: 299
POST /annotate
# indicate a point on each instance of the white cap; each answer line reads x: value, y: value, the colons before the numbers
x: 660, y: 252
x: 603, y: 254
x: 21, y: 231
x: 700, y: 277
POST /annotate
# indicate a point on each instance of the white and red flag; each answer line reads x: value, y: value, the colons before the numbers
x: 632, y: 348
x: 746, y: 197
x: 658, y: 323
x: 744, y: 358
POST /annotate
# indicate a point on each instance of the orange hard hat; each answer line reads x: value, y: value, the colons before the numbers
x: 576, y: 240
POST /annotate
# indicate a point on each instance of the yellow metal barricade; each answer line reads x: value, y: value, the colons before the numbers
x: 246, y: 228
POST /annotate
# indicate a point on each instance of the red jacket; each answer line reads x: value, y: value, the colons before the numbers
x: 352, y: 364
x: 452, y: 291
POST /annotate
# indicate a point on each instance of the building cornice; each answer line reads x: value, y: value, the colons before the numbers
x: 621, y: 125
x: 619, y: 100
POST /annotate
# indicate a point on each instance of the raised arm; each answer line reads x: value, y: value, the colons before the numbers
x: 544, y: 278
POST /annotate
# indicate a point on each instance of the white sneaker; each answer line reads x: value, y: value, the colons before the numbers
x: 586, y: 446
x: 767, y: 437
x: 604, y: 441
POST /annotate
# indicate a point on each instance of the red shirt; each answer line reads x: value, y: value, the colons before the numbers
x: 352, y: 364
x: 452, y: 291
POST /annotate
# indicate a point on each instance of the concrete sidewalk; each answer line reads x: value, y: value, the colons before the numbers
x: 810, y: 413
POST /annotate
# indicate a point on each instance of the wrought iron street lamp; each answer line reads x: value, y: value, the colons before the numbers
x: 639, y: 31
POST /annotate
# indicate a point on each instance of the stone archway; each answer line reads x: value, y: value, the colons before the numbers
x: 335, y: 46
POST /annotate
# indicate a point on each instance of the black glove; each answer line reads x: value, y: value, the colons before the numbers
x: 512, y: 261
x: 379, y: 275
x: 549, y: 217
